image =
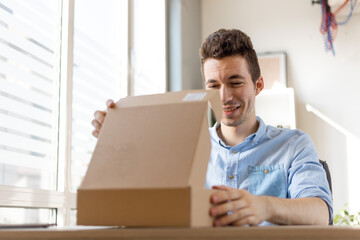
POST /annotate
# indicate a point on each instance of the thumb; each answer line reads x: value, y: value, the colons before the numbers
x: 110, y: 103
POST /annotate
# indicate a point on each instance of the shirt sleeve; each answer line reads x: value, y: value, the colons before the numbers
x: 306, y: 176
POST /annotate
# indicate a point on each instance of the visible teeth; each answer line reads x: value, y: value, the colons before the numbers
x: 229, y: 109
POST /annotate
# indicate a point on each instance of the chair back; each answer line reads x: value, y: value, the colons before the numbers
x: 328, y: 177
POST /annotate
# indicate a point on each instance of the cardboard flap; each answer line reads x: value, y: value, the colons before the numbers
x: 201, y: 157
x: 215, y: 104
x: 150, y: 141
x: 168, y: 98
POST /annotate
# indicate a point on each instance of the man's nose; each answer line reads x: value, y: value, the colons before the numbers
x: 226, y: 94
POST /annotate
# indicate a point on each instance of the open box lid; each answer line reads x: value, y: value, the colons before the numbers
x: 153, y: 141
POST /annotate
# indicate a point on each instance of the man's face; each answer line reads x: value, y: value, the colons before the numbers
x: 232, y: 77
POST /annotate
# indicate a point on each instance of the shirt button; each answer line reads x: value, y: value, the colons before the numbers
x: 233, y: 152
x: 231, y: 176
x: 266, y: 171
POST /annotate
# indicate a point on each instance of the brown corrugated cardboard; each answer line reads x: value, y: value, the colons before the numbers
x: 150, y: 162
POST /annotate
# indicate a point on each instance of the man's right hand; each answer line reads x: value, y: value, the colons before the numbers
x: 100, y: 117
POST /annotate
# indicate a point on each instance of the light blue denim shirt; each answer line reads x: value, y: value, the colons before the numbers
x: 275, y: 162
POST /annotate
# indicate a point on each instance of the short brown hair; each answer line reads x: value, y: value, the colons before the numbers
x: 224, y: 43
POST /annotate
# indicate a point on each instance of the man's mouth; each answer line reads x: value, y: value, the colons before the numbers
x: 230, y: 110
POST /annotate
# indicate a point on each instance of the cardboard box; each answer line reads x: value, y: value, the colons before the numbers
x: 150, y: 163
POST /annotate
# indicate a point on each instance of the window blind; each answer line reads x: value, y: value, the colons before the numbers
x: 29, y: 91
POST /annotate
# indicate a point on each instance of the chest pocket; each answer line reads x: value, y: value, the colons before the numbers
x: 268, y: 180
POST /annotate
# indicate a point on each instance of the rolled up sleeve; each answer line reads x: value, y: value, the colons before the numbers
x: 306, y: 176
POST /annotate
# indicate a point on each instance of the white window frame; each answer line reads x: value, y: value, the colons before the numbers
x: 65, y: 113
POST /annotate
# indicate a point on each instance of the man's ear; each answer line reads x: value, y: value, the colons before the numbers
x: 259, y: 85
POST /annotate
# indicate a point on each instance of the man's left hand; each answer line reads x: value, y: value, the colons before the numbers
x: 238, y: 207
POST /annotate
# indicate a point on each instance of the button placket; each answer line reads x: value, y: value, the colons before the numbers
x: 237, y: 170
x: 230, y: 172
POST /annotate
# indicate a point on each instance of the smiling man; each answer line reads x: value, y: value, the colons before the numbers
x: 265, y: 175
x: 268, y: 175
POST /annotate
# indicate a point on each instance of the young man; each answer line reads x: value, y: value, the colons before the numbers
x: 267, y: 175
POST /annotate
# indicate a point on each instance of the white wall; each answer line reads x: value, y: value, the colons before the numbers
x: 330, y: 84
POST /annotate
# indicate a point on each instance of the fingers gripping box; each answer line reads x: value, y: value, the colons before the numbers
x: 149, y: 165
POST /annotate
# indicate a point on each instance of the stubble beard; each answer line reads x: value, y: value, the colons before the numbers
x: 229, y: 123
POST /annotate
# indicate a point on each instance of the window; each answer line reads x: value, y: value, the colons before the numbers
x: 99, y: 73
x: 148, y: 52
x: 59, y: 62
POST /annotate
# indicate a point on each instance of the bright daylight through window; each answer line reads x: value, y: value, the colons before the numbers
x: 118, y: 50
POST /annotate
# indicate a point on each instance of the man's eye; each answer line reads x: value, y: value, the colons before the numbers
x: 236, y: 83
x: 212, y: 86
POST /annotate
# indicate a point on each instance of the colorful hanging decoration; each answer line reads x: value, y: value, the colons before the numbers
x: 329, y: 24
x: 352, y: 7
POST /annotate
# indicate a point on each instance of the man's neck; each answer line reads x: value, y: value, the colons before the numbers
x: 234, y: 135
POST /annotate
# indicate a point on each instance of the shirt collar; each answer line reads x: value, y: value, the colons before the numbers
x: 215, y: 136
x: 255, y: 137
x: 259, y: 132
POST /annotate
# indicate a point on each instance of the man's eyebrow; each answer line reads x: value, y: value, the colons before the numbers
x: 210, y: 81
x: 236, y: 76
